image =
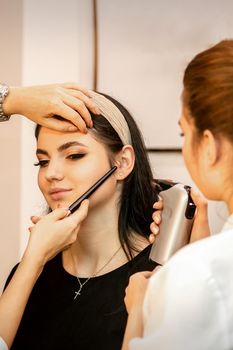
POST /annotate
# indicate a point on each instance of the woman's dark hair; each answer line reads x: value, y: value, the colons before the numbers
x: 208, y: 89
x: 138, y: 192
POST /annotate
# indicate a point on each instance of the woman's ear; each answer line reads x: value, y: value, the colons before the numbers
x: 124, y: 161
x: 211, y: 147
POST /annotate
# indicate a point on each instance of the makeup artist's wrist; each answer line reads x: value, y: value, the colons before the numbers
x: 11, y: 102
x: 134, y: 327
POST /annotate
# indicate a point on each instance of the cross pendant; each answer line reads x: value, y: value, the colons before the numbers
x: 77, y: 293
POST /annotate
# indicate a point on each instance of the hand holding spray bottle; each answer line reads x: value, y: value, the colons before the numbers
x: 177, y: 220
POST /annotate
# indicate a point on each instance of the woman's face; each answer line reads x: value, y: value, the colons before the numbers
x: 192, y: 150
x: 69, y: 164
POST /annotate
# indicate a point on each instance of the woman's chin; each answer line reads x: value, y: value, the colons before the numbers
x: 59, y: 204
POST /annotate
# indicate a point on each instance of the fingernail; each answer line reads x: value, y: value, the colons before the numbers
x: 72, y: 128
x: 157, y: 219
x: 157, y: 268
x: 97, y: 110
x: 155, y: 230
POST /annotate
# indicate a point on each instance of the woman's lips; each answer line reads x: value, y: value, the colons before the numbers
x: 58, y: 193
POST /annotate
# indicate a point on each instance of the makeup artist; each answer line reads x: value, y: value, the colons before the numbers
x: 188, y: 303
x: 41, y: 104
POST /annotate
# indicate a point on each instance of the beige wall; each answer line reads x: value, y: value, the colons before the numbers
x: 10, y: 72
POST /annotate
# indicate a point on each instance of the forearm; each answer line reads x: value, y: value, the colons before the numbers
x: 43, y: 103
x: 134, y: 327
x: 15, y: 297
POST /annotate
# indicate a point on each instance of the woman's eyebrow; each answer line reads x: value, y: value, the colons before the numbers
x: 70, y: 144
x: 41, y: 151
x: 62, y: 147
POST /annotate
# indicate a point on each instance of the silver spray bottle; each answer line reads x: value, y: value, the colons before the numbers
x: 177, y: 220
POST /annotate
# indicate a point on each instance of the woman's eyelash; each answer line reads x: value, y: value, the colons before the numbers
x: 76, y: 156
x: 41, y: 163
x: 181, y: 134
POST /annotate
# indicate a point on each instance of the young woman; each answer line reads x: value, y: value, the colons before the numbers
x: 78, y: 299
x: 188, y: 303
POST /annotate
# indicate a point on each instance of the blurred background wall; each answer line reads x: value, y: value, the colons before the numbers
x: 50, y: 41
x: 11, y: 27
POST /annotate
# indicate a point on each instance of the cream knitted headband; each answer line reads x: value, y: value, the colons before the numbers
x: 113, y: 116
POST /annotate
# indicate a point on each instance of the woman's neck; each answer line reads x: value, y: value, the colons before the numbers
x: 227, y: 195
x: 226, y: 178
x: 100, y: 228
x: 96, y: 243
x: 229, y: 202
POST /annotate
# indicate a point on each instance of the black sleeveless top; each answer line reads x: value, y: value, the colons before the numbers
x: 96, y: 319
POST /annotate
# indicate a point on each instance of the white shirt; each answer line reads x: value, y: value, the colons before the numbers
x: 3, y: 345
x: 189, y: 302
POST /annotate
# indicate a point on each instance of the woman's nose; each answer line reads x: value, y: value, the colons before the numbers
x: 54, y: 171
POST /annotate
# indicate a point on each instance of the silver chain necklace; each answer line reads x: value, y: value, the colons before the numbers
x: 81, y: 285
